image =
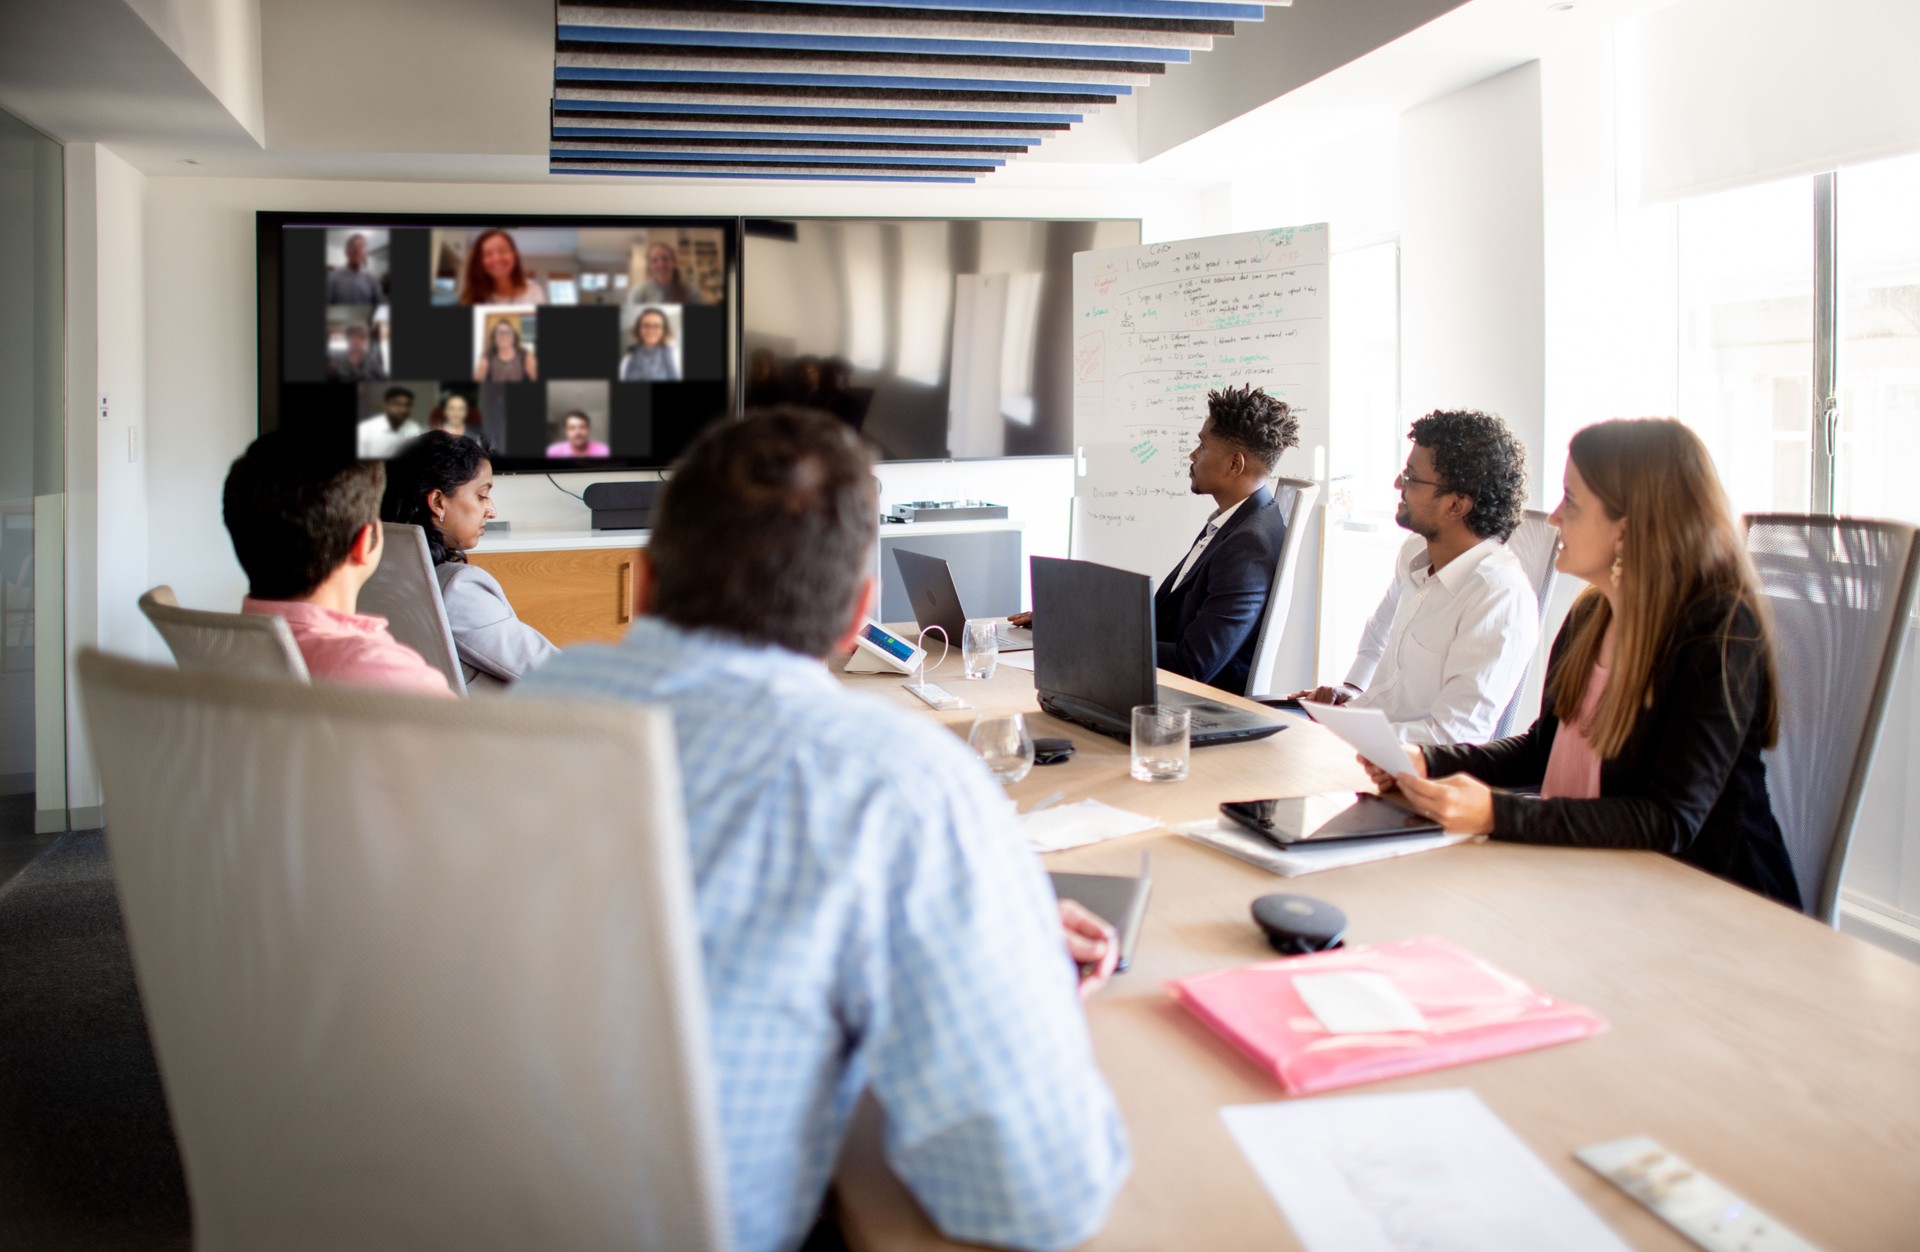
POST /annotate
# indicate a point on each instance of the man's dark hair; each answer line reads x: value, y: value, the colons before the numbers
x: 292, y: 507
x: 436, y: 461
x: 1476, y: 455
x: 1254, y: 422
x: 766, y: 529
x: 396, y: 391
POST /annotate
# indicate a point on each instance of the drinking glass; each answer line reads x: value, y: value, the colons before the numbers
x: 1004, y: 744
x: 980, y: 646
x: 1161, y: 735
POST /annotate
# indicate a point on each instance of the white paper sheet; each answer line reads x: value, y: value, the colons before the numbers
x: 1357, y: 1003
x: 1236, y: 840
x: 1430, y: 1171
x: 1018, y: 660
x: 1072, y: 825
x: 1368, y: 730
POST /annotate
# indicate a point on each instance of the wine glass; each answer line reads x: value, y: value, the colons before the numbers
x: 1004, y: 744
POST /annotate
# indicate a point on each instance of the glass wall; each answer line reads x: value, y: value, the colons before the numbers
x: 32, y: 465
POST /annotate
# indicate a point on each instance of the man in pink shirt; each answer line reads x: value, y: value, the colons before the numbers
x: 306, y: 526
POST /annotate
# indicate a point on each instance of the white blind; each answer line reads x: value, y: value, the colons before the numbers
x: 1740, y: 91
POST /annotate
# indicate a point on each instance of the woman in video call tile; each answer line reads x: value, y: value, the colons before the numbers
x: 494, y: 275
x: 457, y: 416
x: 664, y: 284
x: 650, y: 360
x: 506, y: 361
x: 579, y: 441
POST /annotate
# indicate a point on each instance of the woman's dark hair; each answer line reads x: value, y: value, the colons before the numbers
x: 479, y: 284
x: 435, y: 461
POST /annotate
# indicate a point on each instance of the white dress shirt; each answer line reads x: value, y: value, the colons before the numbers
x: 1213, y: 526
x: 378, y: 439
x: 1444, y: 653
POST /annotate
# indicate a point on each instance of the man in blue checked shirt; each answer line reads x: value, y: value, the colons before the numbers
x: 870, y: 918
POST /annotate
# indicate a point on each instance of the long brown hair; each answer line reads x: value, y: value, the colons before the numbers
x: 479, y: 283
x: 1681, y: 546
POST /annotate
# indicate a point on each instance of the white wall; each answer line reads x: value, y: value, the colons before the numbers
x: 106, y: 490
x: 1472, y: 280
x: 201, y: 370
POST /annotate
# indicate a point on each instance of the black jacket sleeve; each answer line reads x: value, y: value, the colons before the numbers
x: 1238, y: 579
x: 1658, y: 793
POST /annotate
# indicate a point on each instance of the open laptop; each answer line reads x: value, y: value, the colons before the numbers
x: 1093, y: 655
x: 936, y: 601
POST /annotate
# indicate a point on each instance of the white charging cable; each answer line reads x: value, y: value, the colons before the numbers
x: 946, y: 645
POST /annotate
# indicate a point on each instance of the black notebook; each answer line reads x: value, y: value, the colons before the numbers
x: 1119, y: 898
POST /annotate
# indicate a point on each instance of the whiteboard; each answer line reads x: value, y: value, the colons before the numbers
x: 1155, y: 328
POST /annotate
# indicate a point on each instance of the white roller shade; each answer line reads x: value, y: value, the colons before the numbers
x: 1740, y: 91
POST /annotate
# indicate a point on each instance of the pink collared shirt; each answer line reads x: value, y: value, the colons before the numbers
x: 352, y: 648
x: 1573, y: 767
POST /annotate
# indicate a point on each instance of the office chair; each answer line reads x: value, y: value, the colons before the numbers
x: 382, y: 1022
x: 1535, y: 541
x: 1842, y: 595
x: 1296, y: 496
x: 405, y: 591
x: 224, y: 643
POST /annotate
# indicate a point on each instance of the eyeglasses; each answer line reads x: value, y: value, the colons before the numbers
x: 1405, y: 477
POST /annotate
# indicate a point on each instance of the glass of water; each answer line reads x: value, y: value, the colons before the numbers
x: 980, y: 646
x: 1004, y: 744
x: 1161, y: 738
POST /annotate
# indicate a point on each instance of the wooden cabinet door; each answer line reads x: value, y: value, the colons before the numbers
x: 570, y: 596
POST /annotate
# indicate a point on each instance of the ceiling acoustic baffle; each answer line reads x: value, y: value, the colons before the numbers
x: 893, y: 91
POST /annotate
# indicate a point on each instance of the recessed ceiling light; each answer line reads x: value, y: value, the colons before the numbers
x: 1565, y: 6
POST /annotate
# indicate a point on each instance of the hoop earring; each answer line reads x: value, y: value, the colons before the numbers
x: 1616, y: 569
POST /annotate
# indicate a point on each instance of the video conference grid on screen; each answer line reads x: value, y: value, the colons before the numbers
x: 550, y: 344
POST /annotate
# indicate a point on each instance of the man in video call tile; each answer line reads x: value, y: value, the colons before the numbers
x: 358, y: 362
x: 579, y: 441
x: 355, y: 283
x: 382, y: 434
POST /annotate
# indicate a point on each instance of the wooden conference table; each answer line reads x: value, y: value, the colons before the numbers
x: 1775, y: 1054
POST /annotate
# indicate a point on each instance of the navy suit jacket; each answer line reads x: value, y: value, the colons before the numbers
x: 1206, y: 627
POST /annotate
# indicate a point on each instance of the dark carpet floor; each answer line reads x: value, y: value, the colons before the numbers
x: 87, y: 1155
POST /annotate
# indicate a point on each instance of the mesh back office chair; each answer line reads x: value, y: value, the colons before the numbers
x: 1534, y: 542
x: 380, y: 1028
x: 405, y: 591
x: 1295, y: 496
x: 1842, y: 594
x: 224, y: 643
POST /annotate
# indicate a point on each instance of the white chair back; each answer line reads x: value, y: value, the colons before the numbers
x: 1295, y: 496
x: 417, y: 974
x: 1535, y: 541
x: 224, y: 643
x: 1842, y: 595
x: 405, y: 591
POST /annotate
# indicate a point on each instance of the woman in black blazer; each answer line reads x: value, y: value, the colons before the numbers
x: 1660, y: 689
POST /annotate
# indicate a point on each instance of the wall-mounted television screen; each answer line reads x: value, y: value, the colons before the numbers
x: 936, y: 339
x: 558, y: 342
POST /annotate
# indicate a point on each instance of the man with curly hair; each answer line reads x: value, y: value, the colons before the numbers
x: 1450, y: 642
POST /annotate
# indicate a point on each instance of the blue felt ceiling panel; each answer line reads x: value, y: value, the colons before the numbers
x: 862, y: 90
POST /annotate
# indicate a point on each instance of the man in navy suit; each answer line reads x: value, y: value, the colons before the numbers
x: 1207, y: 613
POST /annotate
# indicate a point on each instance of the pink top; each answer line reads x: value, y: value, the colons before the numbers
x: 352, y: 648
x: 563, y: 448
x: 1573, y: 768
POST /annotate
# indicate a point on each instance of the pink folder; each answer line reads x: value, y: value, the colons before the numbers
x: 1473, y: 1009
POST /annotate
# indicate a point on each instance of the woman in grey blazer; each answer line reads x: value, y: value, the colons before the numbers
x: 444, y: 485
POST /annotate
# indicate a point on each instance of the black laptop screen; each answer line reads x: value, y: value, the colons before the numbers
x: 1093, y: 634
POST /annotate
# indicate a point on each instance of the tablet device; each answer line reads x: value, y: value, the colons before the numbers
x: 1327, y: 818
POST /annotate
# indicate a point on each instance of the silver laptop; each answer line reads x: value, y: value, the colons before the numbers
x: 936, y: 601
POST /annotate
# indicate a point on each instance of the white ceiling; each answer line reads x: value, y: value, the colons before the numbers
x: 457, y: 90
